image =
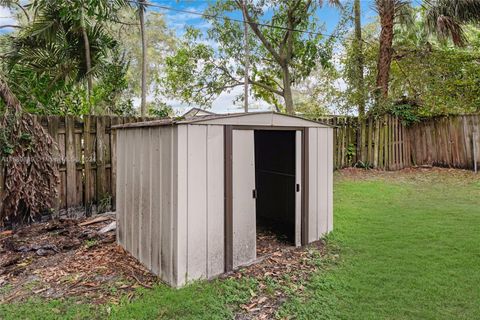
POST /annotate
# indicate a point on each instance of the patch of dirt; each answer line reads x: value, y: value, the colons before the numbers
x: 281, y: 268
x: 68, y: 258
x: 412, y: 174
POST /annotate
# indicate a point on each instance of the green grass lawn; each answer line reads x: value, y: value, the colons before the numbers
x: 409, y: 248
x: 405, y: 246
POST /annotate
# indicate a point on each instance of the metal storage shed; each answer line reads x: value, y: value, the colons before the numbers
x: 189, y: 192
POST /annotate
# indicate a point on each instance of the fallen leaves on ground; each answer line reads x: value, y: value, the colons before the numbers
x: 280, y: 270
x: 67, y: 258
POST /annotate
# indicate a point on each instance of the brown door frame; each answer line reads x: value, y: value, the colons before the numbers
x: 228, y: 187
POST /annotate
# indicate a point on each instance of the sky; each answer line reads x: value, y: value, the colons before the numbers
x: 177, y: 21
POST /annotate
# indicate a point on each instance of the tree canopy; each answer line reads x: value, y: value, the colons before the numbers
x: 428, y: 76
x: 46, y: 63
x: 281, y: 55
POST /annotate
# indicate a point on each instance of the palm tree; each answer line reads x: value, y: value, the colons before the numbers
x: 359, y: 58
x: 388, y: 10
x: 54, y: 43
x: 75, y: 23
x: 141, y: 16
x: 360, y: 83
x: 88, y: 57
x: 446, y: 17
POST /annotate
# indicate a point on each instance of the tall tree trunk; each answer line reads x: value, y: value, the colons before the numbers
x: 246, y: 48
x: 386, y: 9
x: 287, y: 91
x: 360, y: 85
x: 359, y: 60
x: 88, y: 58
x: 141, y: 14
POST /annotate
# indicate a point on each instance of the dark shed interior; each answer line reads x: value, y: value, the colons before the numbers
x: 275, y: 182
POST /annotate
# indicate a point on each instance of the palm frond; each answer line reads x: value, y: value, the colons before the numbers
x: 446, y: 17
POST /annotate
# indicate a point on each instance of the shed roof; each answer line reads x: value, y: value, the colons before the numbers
x: 272, y: 119
x: 195, y: 112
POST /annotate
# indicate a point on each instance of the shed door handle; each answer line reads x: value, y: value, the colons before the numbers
x: 254, y: 194
x: 298, y: 187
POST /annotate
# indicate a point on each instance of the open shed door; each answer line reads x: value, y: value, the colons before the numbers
x: 243, y: 193
x: 298, y: 188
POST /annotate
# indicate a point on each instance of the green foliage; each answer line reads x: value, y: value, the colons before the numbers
x: 45, y: 60
x: 197, y: 72
x: 406, y: 112
x: 351, y: 152
x: 160, y: 109
x: 428, y: 77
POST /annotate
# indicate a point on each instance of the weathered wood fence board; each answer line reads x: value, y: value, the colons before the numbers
x: 87, y: 148
x: 446, y: 141
x: 386, y: 142
x: 390, y: 145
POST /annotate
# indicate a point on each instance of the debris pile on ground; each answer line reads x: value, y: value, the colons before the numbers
x: 67, y: 257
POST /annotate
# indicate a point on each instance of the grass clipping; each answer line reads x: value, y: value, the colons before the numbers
x: 28, y: 162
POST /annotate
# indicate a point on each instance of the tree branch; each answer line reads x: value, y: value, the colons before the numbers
x: 266, y: 87
x: 23, y: 9
x: 260, y: 35
x: 9, y: 26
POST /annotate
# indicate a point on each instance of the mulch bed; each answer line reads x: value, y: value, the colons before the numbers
x: 67, y: 258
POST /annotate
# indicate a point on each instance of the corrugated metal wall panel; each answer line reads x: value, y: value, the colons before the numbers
x: 320, y: 182
x: 136, y: 179
x: 322, y: 178
x: 181, y: 238
x: 129, y: 178
x: 197, y: 202
x: 330, y: 180
x: 144, y: 184
x: 145, y: 199
x: 156, y: 200
x: 313, y: 184
x: 200, y: 202
x: 215, y: 201
x: 167, y: 227
x: 120, y: 186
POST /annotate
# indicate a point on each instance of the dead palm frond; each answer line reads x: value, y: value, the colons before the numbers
x: 446, y: 17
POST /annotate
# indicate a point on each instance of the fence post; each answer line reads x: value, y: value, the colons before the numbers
x: 2, y: 182
x: 475, y: 156
x: 100, y: 159
x: 71, y: 181
x: 53, y: 132
x: 376, y: 142
x: 88, y: 156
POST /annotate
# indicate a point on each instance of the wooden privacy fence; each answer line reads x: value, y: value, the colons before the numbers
x: 87, y: 148
x: 447, y: 141
x: 386, y: 143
